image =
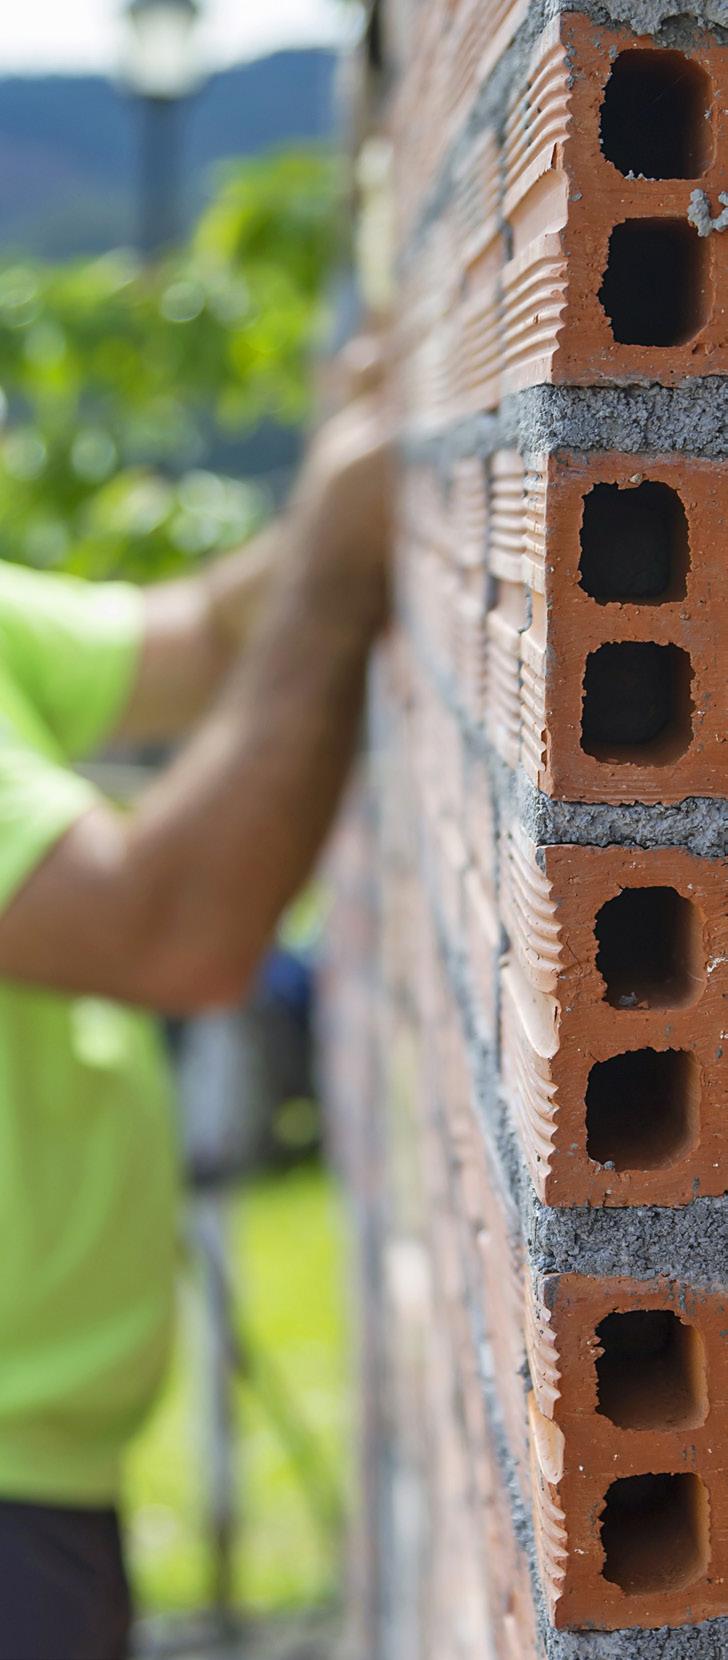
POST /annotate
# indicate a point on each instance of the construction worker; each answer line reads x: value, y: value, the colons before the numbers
x: 107, y: 918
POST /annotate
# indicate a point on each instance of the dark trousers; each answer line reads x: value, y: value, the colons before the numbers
x: 64, y: 1594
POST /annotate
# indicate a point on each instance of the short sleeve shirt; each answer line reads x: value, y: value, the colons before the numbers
x: 87, y: 1161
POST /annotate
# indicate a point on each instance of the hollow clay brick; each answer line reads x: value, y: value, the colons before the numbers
x: 579, y: 1453
x: 558, y: 1024
x: 689, y: 755
x: 563, y: 201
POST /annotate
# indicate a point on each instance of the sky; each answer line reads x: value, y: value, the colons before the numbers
x: 84, y: 34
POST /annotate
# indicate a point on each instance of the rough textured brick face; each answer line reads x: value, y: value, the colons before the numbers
x: 526, y: 1010
x: 609, y: 279
x: 614, y: 1000
x: 629, y: 1388
x: 632, y: 694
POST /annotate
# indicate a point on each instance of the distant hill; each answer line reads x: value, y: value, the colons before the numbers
x: 69, y: 146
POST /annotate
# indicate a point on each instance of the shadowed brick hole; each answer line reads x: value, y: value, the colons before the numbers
x: 642, y: 1108
x: 654, y: 116
x: 650, y: 951
x: 651, y: 1372
x: 655, y: 290
x: 655, y: 1533
x: 634, y: 543
x: 636, y: 703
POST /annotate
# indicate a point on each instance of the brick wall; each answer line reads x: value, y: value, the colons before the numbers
x: 530, y: 1078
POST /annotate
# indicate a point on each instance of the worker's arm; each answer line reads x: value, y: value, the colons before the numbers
x: 192, y: 631
x: 172, y: 906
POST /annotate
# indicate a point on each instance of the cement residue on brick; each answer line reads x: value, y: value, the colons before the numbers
x: 699, y: 214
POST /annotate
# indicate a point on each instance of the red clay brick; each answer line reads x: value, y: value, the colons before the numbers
x: 568, y: 206
x: 503, y: 1564
x: 477, y: 197
x: 629, y: 1383
x: 477, y: 348
x: 484, y: 1244
x: 480, y: 824
x: 648, y: 1130
x: 612, y: 523
x: 478, y: 37
x: 481, y: 938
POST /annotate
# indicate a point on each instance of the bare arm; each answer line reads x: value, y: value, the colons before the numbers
x: 172, y: 907
x: 193, y: 630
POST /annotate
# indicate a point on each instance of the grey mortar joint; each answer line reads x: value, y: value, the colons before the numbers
x: 708, y: 1641
x: 697, y: 824
x: 688, y: 1243
x: 690, y: 419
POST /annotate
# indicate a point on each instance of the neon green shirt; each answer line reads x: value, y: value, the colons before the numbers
x: 87, y: 1166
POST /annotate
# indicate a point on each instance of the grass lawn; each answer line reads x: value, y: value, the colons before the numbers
x: 288, y: 1240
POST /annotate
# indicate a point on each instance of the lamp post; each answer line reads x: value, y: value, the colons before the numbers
x: 160, y: 67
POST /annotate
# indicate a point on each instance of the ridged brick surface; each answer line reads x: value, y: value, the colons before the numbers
x: 629, y: 1387
x: 630, y: 554
x: 528, y: 1051
x: 571, y: 1005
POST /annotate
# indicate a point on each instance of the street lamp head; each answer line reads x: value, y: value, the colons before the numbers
x: 159, y: 60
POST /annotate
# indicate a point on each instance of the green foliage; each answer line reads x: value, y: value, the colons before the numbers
x: 117, y: 378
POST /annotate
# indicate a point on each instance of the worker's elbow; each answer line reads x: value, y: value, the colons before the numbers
x: 221, y: 978
x: 194, y: 977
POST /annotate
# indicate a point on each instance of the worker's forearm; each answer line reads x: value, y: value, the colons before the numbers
x: 238, y: 587
x: 228, y: 834
x: 194, y: 629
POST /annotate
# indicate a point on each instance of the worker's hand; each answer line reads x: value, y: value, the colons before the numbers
x: 343, y: 504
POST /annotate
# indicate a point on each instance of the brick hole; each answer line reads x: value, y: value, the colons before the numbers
x: 653, y: 116
x: 655, y: 289
x: 637, y: 705
x: 651, y: 1372
x: 650, y: 949
x: 642, y: 1108
x: 655, y: 1533
x: 634, y: 543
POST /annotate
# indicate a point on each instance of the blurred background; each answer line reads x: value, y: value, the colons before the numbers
x: 170, y: 234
